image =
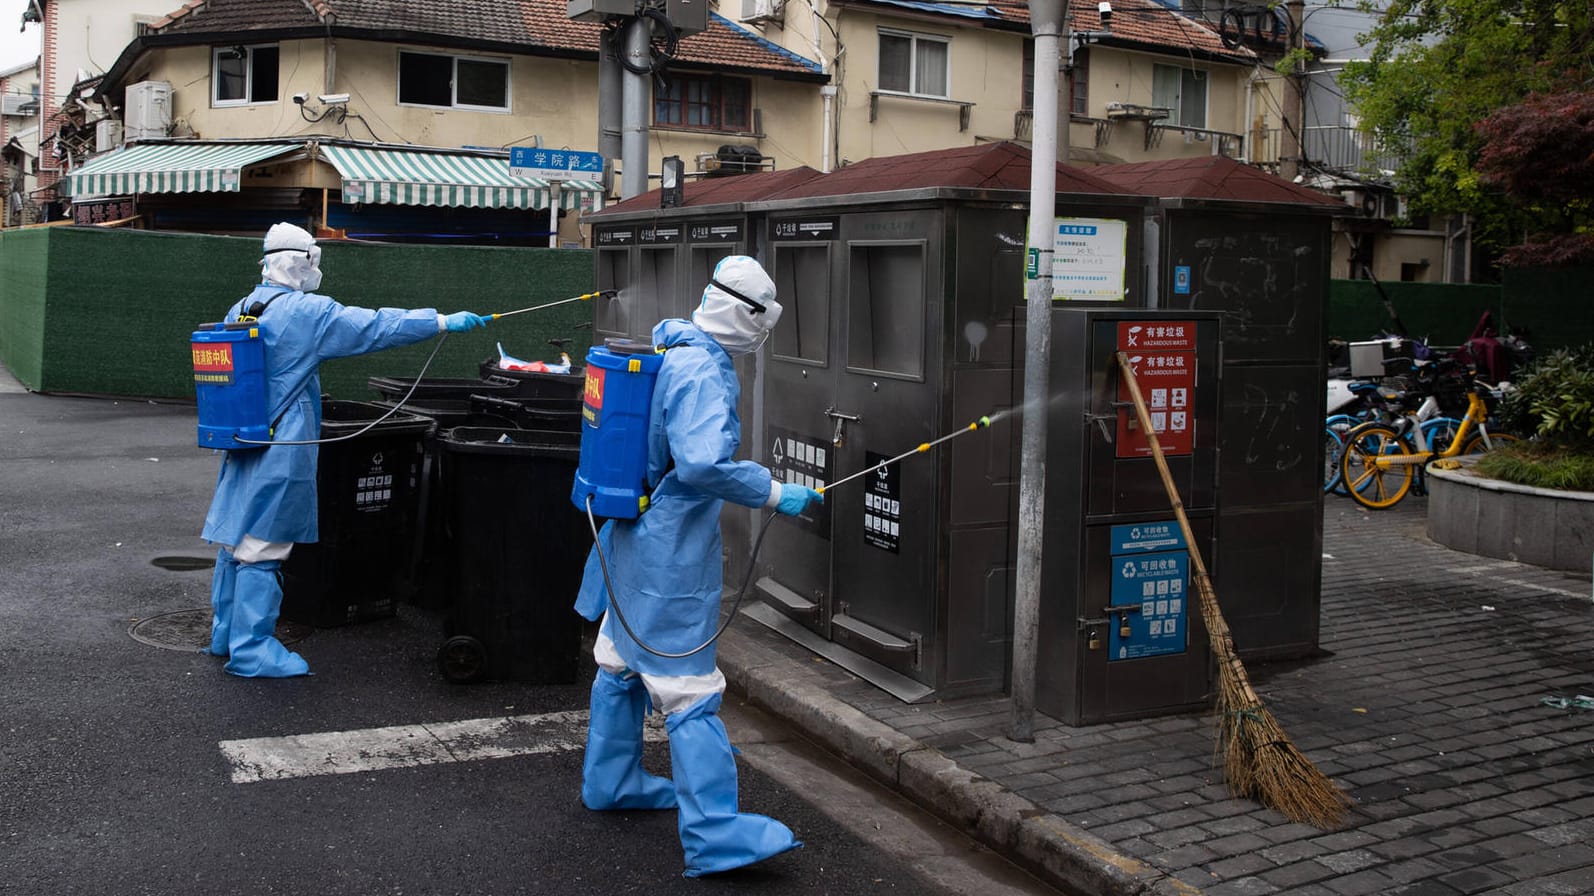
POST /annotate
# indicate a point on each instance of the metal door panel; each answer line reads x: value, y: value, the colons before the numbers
x: 795, y: 561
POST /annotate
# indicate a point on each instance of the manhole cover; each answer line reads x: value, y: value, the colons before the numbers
x: 180, y: 563
x: 190, y: 630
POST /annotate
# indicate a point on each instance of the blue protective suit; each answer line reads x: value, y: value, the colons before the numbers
x: 666, y: 571
x: 270, y: 493
x: 665, y: 565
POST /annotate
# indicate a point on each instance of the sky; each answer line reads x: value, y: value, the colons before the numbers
x: 16, y: 47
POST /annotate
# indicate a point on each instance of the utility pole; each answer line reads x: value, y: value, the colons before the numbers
x: 1294, y: 105
x: 1046, y: 23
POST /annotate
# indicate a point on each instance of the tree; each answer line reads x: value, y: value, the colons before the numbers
x: 1540, y: 153
x: 1440, y: 67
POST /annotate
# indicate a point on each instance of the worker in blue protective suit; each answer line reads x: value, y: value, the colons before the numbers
x: 265, y: 499
x: 666, y: 573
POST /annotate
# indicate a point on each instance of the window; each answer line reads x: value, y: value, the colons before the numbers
x: 914, y: 63
x: 1182, y: 91
x: 705, y: 102
x: 461, y: 82
x: 1081, y: 76
x: 241, y: 75
x: 1027, y: 100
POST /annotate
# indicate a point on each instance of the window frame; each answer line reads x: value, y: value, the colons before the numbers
x: 1187, y: 76
x: 1079, y: 80
x: 717, y: 103
x: 504, y: 62
x: 249, y: 76
x: 914, y: 80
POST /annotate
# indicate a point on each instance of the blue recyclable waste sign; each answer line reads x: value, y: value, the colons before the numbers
x: 1150, y: 580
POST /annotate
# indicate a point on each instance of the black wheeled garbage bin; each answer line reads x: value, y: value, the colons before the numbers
x: 393, y: 388
x: 556, y: 414
x: 369, y: 493
x: 518, y: 547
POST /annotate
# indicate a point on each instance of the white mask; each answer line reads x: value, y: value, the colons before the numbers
x: 738, y: 308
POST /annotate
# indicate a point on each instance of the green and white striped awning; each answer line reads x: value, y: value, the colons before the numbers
x: 171, y: 168
x: 406, y: 177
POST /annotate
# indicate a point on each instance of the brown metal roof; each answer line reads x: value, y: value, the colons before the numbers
x: 1208, y: 177
x: 988, y: 166
x: 533, y: 24
x: 721, y: 190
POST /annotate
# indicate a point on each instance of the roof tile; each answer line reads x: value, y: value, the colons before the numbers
x: 524, y: 23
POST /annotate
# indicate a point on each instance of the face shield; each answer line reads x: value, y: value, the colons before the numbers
x: 738, y: 308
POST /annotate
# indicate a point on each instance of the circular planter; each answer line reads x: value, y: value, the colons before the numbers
x: 1473, y: 513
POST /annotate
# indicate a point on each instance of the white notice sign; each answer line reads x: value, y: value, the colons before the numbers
x: 1088, y: 259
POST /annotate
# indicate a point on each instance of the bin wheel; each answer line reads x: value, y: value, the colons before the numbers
x: 462, y: 659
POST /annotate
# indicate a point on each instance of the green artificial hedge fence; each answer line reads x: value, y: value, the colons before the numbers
x: 110, y: 312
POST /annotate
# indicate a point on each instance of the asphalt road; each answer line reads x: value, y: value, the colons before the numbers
x: 114, y: 771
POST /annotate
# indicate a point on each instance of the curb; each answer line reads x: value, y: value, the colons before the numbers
x: 1061, y: 854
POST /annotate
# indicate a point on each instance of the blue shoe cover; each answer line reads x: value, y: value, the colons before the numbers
x: 254, y: 651
x: 715, y: 836
x: 612, y: 775
x: 222, y: 582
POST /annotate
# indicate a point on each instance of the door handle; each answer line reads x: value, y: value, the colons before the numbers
x: 841, y: 422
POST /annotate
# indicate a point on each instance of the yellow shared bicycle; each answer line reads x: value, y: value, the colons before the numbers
x: 1381, y: 459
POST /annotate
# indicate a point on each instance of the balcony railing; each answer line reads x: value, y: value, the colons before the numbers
x: 1346, y: 149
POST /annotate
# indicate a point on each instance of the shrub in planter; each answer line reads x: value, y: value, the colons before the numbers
x: 1553, y: 401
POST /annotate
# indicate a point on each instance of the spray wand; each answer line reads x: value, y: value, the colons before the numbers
x: 982, y: 422
x: 605, y: 293
x: 418, y: 377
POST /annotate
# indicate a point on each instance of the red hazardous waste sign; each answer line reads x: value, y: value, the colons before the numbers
x: 1162, y: 355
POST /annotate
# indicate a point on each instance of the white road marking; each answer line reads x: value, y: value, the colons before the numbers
x: 405, y: 746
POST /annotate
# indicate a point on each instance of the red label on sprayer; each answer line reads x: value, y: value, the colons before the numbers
x: 212, y: 363
x: 592, y: 397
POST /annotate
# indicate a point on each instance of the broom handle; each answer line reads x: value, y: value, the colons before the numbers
x: 1162, y: 463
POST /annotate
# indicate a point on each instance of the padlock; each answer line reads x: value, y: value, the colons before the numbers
x: 1123, y: 626
x: 1095, y: 641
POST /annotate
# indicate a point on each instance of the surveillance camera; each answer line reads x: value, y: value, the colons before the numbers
x: 1104, y: 9
x: 334, y: 99
x: 300, y: 98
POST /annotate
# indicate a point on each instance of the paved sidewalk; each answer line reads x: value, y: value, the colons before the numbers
x: 1426, y: 707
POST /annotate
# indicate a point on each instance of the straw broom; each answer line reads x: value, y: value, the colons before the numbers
x: 1259, y: 760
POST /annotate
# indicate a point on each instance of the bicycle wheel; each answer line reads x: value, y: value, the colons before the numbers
x: 1370, y: 485
x: 1333, y: 444
x: 1439, y: 433
x: 1476, y: 444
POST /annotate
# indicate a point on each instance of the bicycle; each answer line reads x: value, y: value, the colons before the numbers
x: 1380, y: 402
x: 1378, y: 464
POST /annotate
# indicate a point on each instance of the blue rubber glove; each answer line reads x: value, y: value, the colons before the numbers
x: 460, y: 321
x: 793, y: 498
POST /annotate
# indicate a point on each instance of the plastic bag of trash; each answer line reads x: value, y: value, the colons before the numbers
x: 507, y: 362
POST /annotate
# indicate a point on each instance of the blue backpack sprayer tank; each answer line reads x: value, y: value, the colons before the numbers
x: 611, y: 479
x: 230, y: 385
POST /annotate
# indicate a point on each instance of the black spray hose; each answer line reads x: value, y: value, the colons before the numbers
x: 614, y: 602
x: 364, y: 429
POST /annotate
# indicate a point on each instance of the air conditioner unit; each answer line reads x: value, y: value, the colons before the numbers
x: 18, y: 104
x: 758, y: 11
x: 149, y: 110
x: 107, y: 134
x: 1375, y: 203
